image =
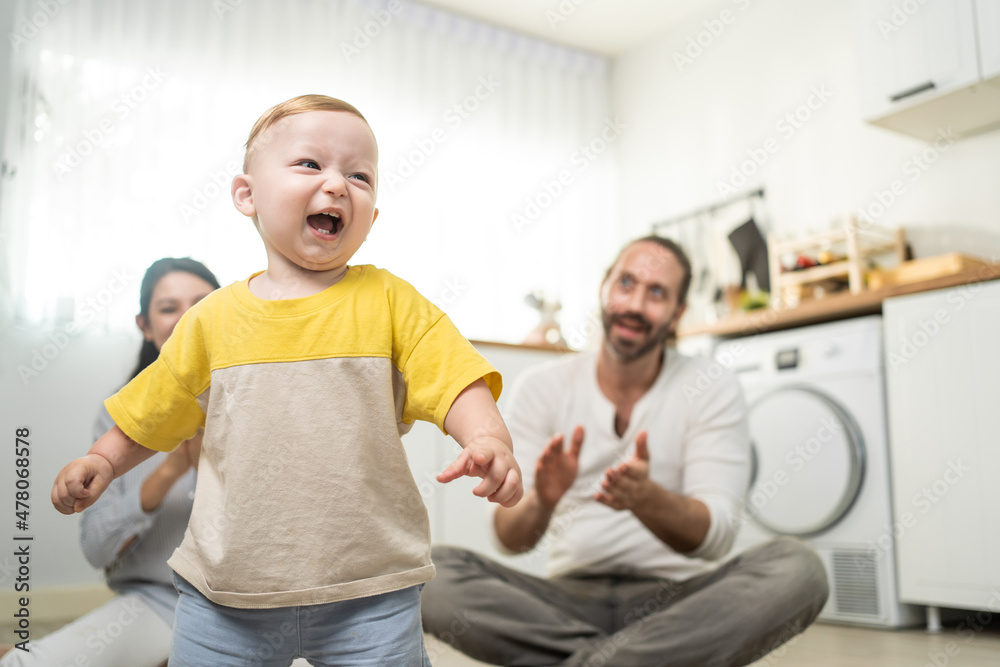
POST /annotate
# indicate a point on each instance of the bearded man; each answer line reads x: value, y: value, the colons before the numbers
x: 637, y: 510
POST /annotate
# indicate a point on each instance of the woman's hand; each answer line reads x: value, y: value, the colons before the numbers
x: 177, y: 463
x: 173, y: 467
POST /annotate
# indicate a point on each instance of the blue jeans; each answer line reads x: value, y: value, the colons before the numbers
x: 373, y: 631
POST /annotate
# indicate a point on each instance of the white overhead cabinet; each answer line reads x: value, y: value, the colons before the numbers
x: 942, y: 365
x: 929, y: 68
x: 988, y: 33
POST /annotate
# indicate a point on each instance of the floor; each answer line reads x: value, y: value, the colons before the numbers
x: 825, y: 645
x: 822, y: 645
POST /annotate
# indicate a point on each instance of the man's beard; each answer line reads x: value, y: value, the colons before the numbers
x: 628, y: 354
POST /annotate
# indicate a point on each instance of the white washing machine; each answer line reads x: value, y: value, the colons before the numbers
x: 817, y: 416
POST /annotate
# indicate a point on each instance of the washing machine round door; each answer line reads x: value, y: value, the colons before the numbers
x: 809, y: 461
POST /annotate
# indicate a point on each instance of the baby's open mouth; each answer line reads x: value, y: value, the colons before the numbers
x: 325, y: 223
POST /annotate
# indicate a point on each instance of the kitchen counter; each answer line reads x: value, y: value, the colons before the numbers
x: 521, y: 346
x: 837, y: 306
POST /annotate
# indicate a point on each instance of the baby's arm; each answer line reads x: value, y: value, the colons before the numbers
x: 487, y: 451
x: 81, y: 482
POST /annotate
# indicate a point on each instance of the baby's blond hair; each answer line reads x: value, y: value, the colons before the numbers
x: 300, y: 104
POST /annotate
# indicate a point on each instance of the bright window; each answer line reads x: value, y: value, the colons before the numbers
x: 129, y: 119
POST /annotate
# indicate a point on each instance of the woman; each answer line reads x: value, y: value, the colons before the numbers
x: 141, y: 518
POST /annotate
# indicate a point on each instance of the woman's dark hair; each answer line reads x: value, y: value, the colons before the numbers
x: 161, y: 267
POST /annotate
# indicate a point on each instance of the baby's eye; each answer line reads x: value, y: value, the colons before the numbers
x: 362, y: 177
x: 309, y: 164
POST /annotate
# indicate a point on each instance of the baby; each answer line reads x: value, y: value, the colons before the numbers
x: 308, y: 537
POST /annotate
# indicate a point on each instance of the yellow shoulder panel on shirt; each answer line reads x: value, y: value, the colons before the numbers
x: 369, y: 313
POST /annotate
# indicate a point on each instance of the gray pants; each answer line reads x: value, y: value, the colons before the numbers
x: 733, y: 615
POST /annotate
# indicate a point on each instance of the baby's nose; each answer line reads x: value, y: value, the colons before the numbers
x: 335, y: 183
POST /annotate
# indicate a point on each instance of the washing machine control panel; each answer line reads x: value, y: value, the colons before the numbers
x: 786, y: 359
x: 842, y: 347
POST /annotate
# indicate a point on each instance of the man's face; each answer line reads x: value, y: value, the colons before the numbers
x: 639, y: 306
x: 311, y: 188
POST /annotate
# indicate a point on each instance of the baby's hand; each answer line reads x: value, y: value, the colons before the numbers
x: 492, y: 460
x: 81, y: 483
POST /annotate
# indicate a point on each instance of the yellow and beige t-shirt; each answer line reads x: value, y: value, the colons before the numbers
x: 304, y: 493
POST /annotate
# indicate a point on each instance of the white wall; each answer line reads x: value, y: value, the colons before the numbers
x: 691, y: 125
x: 53, y: 384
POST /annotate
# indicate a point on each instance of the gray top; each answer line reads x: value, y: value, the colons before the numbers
x: 118, y: 515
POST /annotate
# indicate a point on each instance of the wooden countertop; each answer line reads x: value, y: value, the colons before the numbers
x: 522, y: 346
x: 838, y: 306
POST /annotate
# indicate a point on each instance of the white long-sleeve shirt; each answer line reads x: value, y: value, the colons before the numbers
x: 698, y: 443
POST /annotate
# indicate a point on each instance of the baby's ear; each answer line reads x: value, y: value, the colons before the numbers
x: 243, y: 195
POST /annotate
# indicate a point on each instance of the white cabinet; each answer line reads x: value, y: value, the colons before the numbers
x: 457, y: 517
x: 927, y: 65
x: 915, y: 55
x: 942, y: 370
x: 988, y: 33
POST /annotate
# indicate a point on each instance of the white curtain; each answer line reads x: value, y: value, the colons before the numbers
x: 128, y: 119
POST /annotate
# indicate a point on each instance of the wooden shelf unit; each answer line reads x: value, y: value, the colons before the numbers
x: 833, y: 307
x: 855, y: 241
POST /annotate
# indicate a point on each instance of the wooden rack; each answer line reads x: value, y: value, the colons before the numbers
x: 855, y: 241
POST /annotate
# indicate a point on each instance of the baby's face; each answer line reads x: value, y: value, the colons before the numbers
x: 313, y: 183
